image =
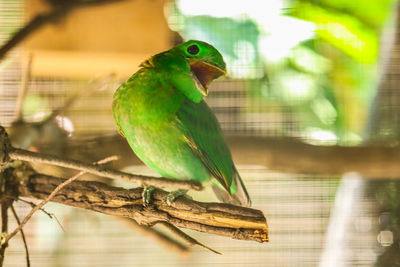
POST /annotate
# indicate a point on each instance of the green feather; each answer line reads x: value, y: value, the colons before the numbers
x: 204, y: 136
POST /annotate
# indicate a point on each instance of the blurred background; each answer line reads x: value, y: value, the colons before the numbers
x: 321, y: 71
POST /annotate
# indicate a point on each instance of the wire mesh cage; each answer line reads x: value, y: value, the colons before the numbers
x: 322, y: 72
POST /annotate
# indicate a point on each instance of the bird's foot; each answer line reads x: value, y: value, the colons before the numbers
x: 174, y: 195
x: 146, y: 195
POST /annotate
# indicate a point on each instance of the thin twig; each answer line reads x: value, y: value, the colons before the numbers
x: 94, y: 85
x: 20, y: 154
x: 28, y: 262
x: 188, y: 239
x: 23, y: 90
x: 30, y: 203
x: 48, y: 198
x: 160, y: 237
x: 51, y: 215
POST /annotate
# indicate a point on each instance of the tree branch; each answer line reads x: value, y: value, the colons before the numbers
x: 213, y: 218
x: 294, y: 156
x: 49, y: 197
x: 220, y: 219
x: 188, y: 239
x: 158, y: 236
x: 28, y: 262
x: 25, y: 155
x: 275, y: 153
x: 7, y: 152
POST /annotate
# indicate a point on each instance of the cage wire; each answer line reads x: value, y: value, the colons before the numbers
x: 313, y: 221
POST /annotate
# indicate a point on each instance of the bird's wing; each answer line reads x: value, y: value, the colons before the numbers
x: 204, y: 136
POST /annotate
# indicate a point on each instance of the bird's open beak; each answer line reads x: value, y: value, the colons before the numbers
x: 204, y: 73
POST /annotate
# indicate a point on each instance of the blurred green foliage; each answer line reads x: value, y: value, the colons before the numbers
x: 344, y: 31
x: 318, y: 58
x: 36, y: 108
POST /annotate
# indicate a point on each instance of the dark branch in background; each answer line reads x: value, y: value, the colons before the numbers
x: 278, y: 154
x: 294, y: 156
x: 59, y: 10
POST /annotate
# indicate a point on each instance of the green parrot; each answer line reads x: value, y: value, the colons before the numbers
x: 161, y: 112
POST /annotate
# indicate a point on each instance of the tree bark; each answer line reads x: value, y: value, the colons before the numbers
x: 213, y: 218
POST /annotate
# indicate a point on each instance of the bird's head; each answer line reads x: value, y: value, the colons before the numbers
x: 204, y: 62
x: 190, y: 67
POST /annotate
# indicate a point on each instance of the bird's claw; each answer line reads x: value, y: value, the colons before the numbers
x: 146, y: 195
x: 170, y: 197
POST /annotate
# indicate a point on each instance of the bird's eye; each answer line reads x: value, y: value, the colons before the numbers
x: 193, y: 49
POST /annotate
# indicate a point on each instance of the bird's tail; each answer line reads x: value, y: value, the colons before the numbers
x: 240, y: 197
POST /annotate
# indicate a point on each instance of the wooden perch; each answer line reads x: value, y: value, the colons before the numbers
x: 221, y: 219
x: 21, y: 154
x: 213, y: 218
